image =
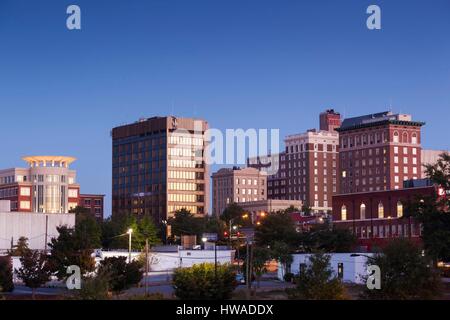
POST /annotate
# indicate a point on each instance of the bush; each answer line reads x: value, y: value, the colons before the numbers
x: 121, y: 275
x: 94, y: 288
x: 6, y: 274
x: 317, y: 281
x: 199, y: 282
x: 288, y: 277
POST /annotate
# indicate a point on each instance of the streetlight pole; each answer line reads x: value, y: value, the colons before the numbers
x: 130, y: 231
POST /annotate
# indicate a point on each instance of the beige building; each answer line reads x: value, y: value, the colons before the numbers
x: 237, y: 185
x: 255, y: 208
x: 430, y: 157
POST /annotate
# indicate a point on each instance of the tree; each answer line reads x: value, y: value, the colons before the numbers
x: 121, y: 275
x: 235, y: 213
x: 200, y: 283
x: 282, y: 252
x: 317, y: 281
x: 260, y: 257
x: 276, y: 227
x: 324, y: 239
x: 433, y: 211
x: 6, y: 274
x: 20, y: 248
x: 35, y: 270
x: 87, y: 230
x: 185, y: 223
x: 291, y: 209
x: 306, y: 210
x: 405, y: 273
x: 70, y: 249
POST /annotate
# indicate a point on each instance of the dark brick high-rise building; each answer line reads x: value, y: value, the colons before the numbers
x: 378, y: 152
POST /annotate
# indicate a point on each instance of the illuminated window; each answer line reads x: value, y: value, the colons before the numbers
x: 380, y: 211
x: 362, y: 210
x: 344, y: 213
x: 399, y: 209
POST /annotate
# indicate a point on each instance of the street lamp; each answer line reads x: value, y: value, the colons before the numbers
x: 204, y: 240
x: 129, y: 232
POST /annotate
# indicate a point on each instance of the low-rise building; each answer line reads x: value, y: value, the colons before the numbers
x: 94, y: 203
x: 377, y: 217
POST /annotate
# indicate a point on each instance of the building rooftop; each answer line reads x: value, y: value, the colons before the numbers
x: 36, y: 160
x: 384, y: 117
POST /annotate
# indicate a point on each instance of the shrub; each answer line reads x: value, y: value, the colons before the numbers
x: 288, y: 277
x: 150, y: 296
x: 122, y: 275
x: 94, y: 288
x: 6, y: 274
x: 317, y: 281
x: 200, y: 283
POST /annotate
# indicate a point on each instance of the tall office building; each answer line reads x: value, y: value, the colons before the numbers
x: 46, y: 186
x: 378, y: 152
x: 236, y: 185
x: 159, y: 167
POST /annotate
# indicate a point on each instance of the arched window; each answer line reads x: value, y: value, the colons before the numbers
x: 414, y: 138
x: 343, y: 213
x: 405, y: 137
x: 380, y: 211
x: 399, y: 209
x: 396, y: 139
x: 362, y: 211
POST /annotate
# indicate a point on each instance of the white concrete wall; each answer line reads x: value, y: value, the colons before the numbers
x: 354, y: 267
x: 31, y: 225
x: 164, y: 261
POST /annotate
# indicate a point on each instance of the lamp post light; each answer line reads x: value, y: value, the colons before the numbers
x: 129, y: 232
x: 204, y: 240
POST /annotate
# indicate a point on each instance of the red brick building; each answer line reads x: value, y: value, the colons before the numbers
x: 95, y: 203
x: 379, y: 152
x: 376, y: 217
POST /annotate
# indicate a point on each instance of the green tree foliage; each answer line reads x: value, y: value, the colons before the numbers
x: 6, y: 274
x: 185, y: 223
x: 114, y: 232
x: 328, y: 240
x: 276, y: 227
x: 433, y: 212
x: 260, y: 256
x: 69, y: 249
x: 87, y: 230
x: 121, y: 275
x: 282, y: 252
x: 200, y: 283
x: 20, y: 248
x: 235, y: 213
x: 405, y: 273
x: 318, y: 281
x: 35, y: 270
x: 94, y: 288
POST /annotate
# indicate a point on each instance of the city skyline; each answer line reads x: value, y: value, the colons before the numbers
x: 67, y: 89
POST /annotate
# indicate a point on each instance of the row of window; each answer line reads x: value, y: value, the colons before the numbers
x: 362, y: 211
x: 375, y: 138
x: 386, y: 231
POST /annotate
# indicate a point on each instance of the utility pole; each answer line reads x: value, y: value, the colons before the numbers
x: 46, y: 232
x: 247, y: 270
x: 146, y: 267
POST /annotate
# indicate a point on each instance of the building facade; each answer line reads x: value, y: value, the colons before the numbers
x: 275, y: 167
x: 379, y: 152
x: 330, y: 120
x: 236, y: 185
x: 159, y: 167
x: 376, y: 217
x: 46, y: 186
x: 95, y: 203
x: 312, y: 168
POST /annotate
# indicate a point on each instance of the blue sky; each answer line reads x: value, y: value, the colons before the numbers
x: 236, y: 63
